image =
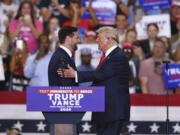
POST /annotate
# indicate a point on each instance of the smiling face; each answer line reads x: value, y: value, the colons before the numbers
x: 159, y: 49
x: 53, y: 24
x: 131, y: 37
x: 102, y: 41
x: 121, y: 21
x: 152, y: 31
x: 74, y: 41
x: 26, y: 9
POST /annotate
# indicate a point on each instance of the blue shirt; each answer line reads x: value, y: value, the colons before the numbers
x: 84, y: 68
x: 37, y: 70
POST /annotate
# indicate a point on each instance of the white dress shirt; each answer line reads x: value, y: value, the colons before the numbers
x: 110, y: 50
x: 66, y: 50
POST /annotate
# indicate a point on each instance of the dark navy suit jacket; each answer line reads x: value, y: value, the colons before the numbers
x: 55, y: 80
x: 55, y: 63
x: 113, y: 74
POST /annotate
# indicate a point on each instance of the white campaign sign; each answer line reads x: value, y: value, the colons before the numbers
x: 163, y: 22
x: 2, y: 78
x: 96, y: 54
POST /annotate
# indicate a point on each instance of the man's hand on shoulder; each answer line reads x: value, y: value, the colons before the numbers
x: 67, y: 73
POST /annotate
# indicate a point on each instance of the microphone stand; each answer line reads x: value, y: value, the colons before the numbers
x: 167, y: 98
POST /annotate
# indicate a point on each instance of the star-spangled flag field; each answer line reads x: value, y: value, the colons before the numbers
x: 148, y: 115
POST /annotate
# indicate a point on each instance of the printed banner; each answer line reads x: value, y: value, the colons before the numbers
x: 105, y: 10
x: 163, y: 22
x: 173, y: 76
x: 65, y: 99
x: 155, y: 4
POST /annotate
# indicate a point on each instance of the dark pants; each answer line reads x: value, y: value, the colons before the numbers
x: 111, y: 128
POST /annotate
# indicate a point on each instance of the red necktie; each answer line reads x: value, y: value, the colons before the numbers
x: 101, y: 60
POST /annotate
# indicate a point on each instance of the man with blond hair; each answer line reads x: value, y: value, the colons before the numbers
x: 113, y: 74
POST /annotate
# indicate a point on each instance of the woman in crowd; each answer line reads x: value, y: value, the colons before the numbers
x: 167, y: 43
x: 52, y: 32
x: 148, y: 44
x: 26, y: 26
x: 17, y: 80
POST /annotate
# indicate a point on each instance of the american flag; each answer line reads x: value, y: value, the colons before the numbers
x: 148, y: 116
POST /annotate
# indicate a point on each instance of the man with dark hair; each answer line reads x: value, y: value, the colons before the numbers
x: 121, y: 26
x: 66, y: 31
x: 69, y: 38
x: 33, y: 68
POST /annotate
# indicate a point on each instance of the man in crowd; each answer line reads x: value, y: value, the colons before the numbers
x: 86, y: 58
x: 121, y: 25
x: 36, y: 67
x: 152, y: 81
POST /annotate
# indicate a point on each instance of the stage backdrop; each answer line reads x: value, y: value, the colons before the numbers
x: 148, y: 115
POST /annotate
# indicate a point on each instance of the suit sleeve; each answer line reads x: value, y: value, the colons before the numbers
x: 112, y: 68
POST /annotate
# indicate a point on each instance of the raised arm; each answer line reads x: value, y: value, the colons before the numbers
x: 94, y: 20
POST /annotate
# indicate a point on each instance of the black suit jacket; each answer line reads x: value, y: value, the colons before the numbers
x: 146, y: 48
x: 55, y: 80
x: 55, y: 63
x: 113, y: 74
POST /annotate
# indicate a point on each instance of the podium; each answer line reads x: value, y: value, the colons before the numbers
x: 63, y: 118
x: 65, y: 105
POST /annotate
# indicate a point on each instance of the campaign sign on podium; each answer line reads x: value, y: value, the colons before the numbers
x: 172, y: 79
x: 65, y: 99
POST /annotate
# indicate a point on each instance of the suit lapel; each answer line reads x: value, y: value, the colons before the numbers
x: 109, y: 56
x: 67, y: 56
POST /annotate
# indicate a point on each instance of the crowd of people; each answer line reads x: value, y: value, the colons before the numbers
x: 29, y: 37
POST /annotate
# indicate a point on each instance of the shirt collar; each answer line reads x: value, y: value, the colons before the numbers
x: 66, y: 50
x: 110, y: 50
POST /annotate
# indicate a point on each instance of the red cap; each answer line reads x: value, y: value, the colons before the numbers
x: 127, y: 45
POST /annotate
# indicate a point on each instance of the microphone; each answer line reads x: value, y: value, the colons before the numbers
x: 63, y: 65
x: 167, y: 62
